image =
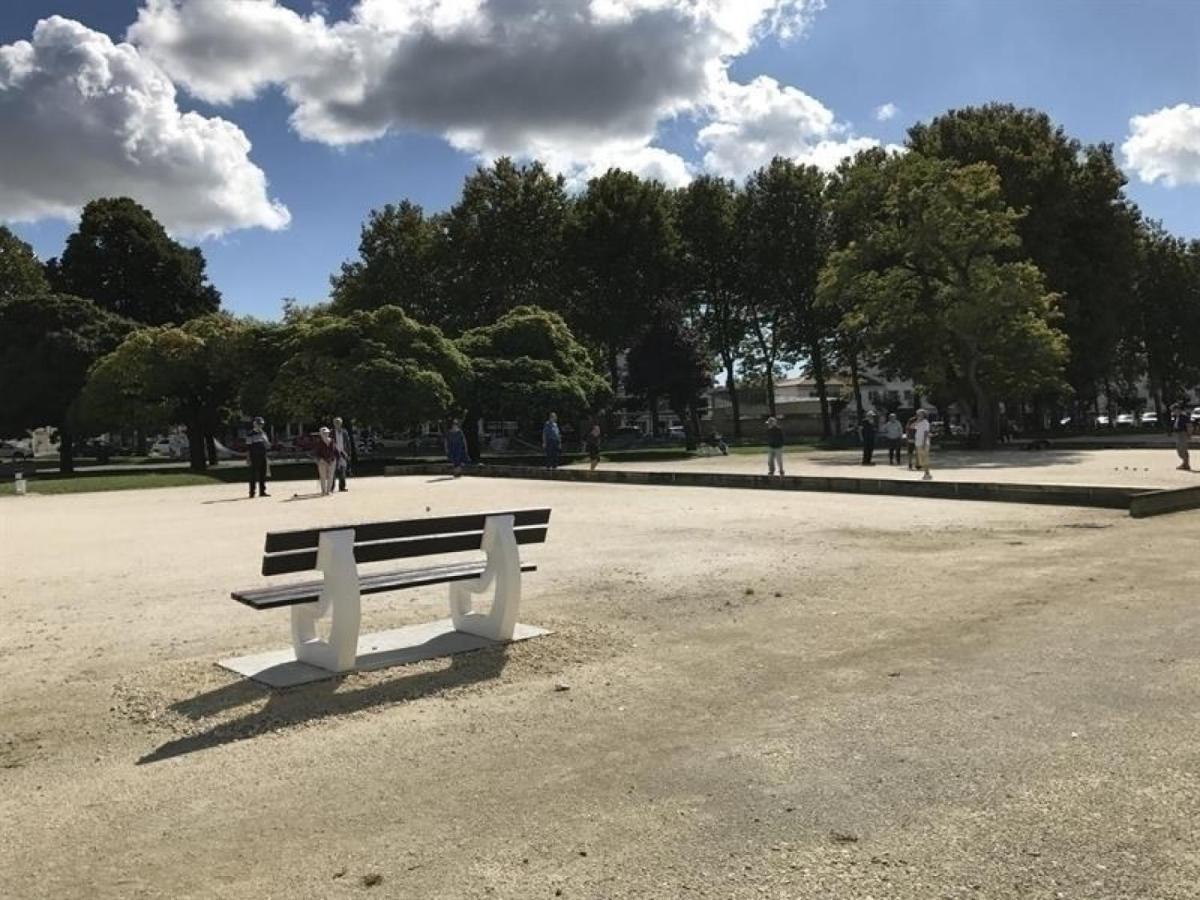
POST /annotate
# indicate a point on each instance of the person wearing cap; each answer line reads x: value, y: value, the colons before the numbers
x: 327, y: 457
x: 774, y: 447
x: 867, y: 430
x: 922, y: 435
x: 256, y: 451
x: 1181, y: 430
x: 344, y: 441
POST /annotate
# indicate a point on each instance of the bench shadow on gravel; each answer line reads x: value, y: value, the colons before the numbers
x: 292, y: 707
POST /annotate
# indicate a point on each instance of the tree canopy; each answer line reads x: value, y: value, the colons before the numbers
x: 123, y: 259
x: 21, y: 272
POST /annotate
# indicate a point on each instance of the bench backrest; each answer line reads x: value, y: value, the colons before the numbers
x: 296, y: 551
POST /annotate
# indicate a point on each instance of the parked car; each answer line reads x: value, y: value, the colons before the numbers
x: 15, y: 451
x: 1149, y: 420
x: 1196, y: 416
x: 1103, y: 421
x: 1125, y: 420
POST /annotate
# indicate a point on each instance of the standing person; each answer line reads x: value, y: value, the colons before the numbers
x: 456, y: 448
x: 343, y: 440
x: 592, y: 445
x: 922, y: 434
x: 327, y: 457
x: 867, y: 430
x: 910, y: 441
x: 551, y: 441
x: 893, y: 433
x: 1181, y: 429
x: 774, y: 447
x: 256, y: 451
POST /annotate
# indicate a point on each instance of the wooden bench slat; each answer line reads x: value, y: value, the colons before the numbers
x: 310, y: 591
x: 306, y: 560
x: 308, y: 539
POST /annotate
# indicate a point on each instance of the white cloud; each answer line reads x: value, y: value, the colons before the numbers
x: 583, y: 84
x: 753, y: 123
x: 886, y: 112
x: 85, y: 118
x: 1165, y: 144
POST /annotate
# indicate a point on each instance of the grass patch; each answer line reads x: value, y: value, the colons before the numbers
x: 113, y: 482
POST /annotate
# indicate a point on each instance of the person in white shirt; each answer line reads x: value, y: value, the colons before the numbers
x: 921, y: 438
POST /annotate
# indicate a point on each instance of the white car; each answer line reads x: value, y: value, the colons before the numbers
x: 1103, y: 421
x: 15, y: 450
x: 1196, y: 416
x: 1125, y: 420
x: 1149, y: 420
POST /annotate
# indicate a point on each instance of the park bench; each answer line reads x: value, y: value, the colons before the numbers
x: 337, y: 551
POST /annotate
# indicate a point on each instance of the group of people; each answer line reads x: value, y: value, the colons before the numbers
x: 915, y: 436
x: 333, y: 452
x: 552, y: 444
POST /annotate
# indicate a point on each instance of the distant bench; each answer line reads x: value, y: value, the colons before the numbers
x: 336, y: 552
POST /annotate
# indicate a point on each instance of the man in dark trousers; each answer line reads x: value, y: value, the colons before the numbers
x: 344, y: 441
x: 552, y: 441
x: 256, y: 451
x: 867, y: 430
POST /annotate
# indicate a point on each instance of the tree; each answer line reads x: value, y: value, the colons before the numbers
x: 503, y: 245
x: 934, y: 297
x: 710, y: 262
x: 1076, y: 227
x: 21, y: 272
x: 527, y: 364
x: 397, y: 265
x: 123, y: 259
x: 47, y: 344
x: 167, y: 375
x: 672, y: 361
x: 1167, y: 301
x: 622, y: 243
x: 785, y: 238
x: 379, y: 368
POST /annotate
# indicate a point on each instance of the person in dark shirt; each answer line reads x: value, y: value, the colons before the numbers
x: 592, y: 445
x: 1181, y: 430
x: 552, y: 441
x: 774, y: 447
x: 867, y: 430
x: 256, y: 449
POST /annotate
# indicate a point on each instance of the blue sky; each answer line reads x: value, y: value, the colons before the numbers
x: 1091, y: 64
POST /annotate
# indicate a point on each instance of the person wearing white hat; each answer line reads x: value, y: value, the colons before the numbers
x: 256, y: 453
x: 922, y: 435
x: 327, y: 457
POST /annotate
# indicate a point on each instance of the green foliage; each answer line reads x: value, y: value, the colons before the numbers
x: 1076, y: 227
x: 528, y: 364
x: 933, y: 297
x: 622, y: 243
x: 1166, y: 338
x: 503, y: 244
x: 379, y: 368
x: 397, y: 265
x: 47, y: 344
x: 671, y: 360
x: 123, y: 259
x: 20, y: 270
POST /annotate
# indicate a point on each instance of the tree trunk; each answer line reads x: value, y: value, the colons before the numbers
x: 735, y: 402
x: 985, y: 409
x: 858, y: 404
x: 210, y: 448
x: 818, y: 362
x: 66, y: 452
x: 652, y: 402
x: 471, y: 431
x: 139, y: 442
x: 770, y: 390
x: 196, y: 455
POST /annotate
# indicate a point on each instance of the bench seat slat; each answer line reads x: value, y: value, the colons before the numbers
x: 306, y: 560
x: 310, y: 591
x: 308, y: 539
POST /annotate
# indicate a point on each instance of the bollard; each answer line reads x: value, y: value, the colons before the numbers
x: 19, y: 478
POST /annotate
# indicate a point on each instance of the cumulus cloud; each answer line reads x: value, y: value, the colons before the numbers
x: 753, y: 123
x: 583, y: 84
x: 886, y: 112
x: 1165, y: 145
x: 85, y: 118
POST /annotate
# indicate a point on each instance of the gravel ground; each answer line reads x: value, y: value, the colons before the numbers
x: 795, y: 695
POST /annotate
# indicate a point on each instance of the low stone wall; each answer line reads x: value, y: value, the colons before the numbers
x: 1157, y: 503
x: 1052, y: 494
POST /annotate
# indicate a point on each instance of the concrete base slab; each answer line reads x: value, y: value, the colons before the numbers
x: 280, y: 669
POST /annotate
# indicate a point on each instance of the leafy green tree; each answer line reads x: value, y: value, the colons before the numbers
x: 47, y: 344
x: 527, y: 364
x: 621, y: 241
x: 378, y: 368
x: 1077, y: 227
x: 167, y: 375
x: 397, y: 265
x: 21, y: 272
x: 1167, y: 301
x: 710, y: 264
x: 783, y: 224
x: 503, y: 244
x: 672, y: 361
x: 934, y: 297
x: 123, y: 259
